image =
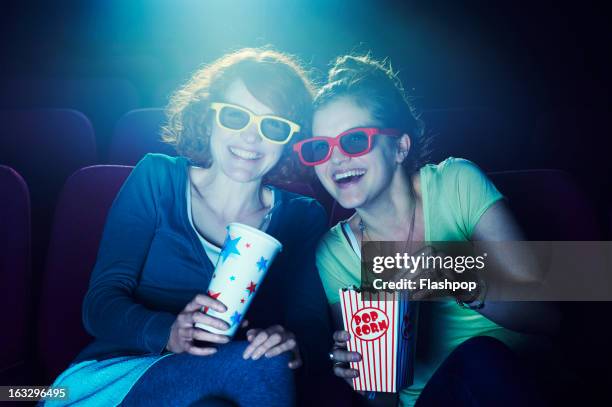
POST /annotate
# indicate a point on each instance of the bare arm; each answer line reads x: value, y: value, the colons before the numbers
x: 498, y: 224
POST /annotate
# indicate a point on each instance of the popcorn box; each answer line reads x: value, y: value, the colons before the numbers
x: 383, y: 330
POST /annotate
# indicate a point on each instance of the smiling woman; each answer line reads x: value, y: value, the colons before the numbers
x: 233, y: 124
x: 368, y: 152
x: 213, y: 99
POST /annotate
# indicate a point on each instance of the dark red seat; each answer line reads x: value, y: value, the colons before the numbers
x: 15, y: 318
x: 45, y: 146
x: 77, y: 229
x: 137, y: 133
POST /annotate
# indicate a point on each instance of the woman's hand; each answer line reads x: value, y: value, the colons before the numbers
x: 342, y: 357
x: 272, y: 342
x: 183, y: 332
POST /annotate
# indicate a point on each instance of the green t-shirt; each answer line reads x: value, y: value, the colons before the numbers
x: 455, y: 194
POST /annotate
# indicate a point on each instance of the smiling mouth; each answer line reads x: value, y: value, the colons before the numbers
x: 348, y: 177
x: 245, y: 154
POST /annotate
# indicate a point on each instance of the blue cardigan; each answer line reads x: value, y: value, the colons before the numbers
x: 151, y: 264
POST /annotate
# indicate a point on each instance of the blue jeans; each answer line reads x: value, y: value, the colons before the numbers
x: 482, y: 371
x: 223, y: 379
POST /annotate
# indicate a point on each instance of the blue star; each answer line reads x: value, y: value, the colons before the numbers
x: 229, y: 247
x: 235, y: 318
x: 262, y: 264
x: 232, y: 278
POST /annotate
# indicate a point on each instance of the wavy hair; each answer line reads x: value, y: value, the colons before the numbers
x: 274, y: 78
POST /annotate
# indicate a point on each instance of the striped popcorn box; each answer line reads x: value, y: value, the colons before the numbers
x: 383, y: 330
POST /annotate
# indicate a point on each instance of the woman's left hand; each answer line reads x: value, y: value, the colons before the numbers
x: 272, y: 342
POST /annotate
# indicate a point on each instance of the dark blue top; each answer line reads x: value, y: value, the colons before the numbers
x: 151, y: 264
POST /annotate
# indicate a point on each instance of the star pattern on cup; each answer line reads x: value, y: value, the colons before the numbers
x: 212, y: 295
x: 235, y: 318
x: 251, y: 288
x: 262, y: 264
x: 230, y: 246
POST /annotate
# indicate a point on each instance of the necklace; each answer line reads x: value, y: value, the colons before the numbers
x: 408, y: 244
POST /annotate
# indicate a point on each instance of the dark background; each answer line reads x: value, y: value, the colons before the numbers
x: 529, y: 56
x: 543, y: 66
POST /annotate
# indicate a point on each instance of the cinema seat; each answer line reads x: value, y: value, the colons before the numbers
x: 45, y: 146
x: 137, y: 133
x: 77, y: 229
x: 103, y: 99
x: 15, y: 316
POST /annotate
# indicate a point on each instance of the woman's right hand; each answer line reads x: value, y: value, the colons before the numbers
x: 183, y: 332
x: 342, y: 357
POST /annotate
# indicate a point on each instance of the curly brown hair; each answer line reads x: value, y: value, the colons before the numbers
x: 274, y: 78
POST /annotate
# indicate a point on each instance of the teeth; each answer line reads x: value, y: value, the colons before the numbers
x: 247, y: 155
x: 346, y: 174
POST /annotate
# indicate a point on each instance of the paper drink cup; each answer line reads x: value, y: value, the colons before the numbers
x: 383, y: 330
x: 244, y: 260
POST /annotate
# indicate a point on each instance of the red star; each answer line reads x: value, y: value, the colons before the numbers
x: 242, y: 301
x: 251, y: 287
x: 248, y: 245
x: 212, y: 294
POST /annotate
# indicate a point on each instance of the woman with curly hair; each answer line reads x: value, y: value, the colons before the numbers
x: 233, y: 124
